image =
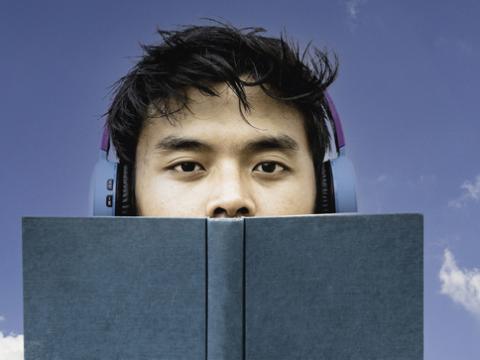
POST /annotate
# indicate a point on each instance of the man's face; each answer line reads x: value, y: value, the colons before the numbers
x: 212, y: 163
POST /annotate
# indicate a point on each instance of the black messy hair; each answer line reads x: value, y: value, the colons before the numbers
x: 200, y: 57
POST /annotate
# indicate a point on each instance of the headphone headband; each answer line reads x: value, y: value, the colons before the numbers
x: 105, y: 139
x: 338, y: 131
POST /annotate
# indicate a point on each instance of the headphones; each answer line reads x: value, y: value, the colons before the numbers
x: 111, y: 188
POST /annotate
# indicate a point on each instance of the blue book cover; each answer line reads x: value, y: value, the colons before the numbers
x: 296, y: 287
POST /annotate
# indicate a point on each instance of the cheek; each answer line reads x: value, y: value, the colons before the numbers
x: 290, y: 198
x: 150, y: 194
x: 161, y: 197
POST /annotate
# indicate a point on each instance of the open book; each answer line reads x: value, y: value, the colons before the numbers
x: 298, y: 287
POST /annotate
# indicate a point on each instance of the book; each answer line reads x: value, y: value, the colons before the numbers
x: 341, y: 286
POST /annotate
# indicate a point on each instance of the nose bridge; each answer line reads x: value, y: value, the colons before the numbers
x: 230, y: 193
x: 230, y: 179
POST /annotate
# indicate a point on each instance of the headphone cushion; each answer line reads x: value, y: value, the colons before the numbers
x: 326, y: 194
x: 123, y: 199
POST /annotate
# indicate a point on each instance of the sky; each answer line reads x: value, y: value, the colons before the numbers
x: 407, y: 93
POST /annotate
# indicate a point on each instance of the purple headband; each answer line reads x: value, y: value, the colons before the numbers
x: 105, y: 139
x: 336, y: 119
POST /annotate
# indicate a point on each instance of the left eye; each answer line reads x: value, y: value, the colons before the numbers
x: 269, y: 167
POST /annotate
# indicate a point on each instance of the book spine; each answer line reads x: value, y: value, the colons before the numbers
x: 225, y: 279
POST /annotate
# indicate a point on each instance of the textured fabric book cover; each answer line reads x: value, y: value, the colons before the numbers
x: 107, y: 288
x: 299, y: 287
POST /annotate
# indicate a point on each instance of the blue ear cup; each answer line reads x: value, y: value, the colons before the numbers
x: 112, y: 184
x: 343, y: 184
x: 342, y: 172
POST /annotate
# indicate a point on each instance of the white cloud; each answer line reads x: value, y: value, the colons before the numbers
x: 11, y: 347
x: 2, y: 318
x: 471, y: 192
x: 353, y: 7
x: 461, y: 285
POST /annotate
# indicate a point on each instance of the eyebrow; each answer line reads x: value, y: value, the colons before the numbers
x: 282, y: 143
x: 177, y: 143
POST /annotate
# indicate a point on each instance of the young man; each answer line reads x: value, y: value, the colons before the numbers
x: 222, y: 122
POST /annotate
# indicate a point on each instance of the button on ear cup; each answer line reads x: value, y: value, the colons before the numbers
x: 326, y: 192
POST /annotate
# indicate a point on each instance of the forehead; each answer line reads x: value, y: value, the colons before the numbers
x: 218, y: 120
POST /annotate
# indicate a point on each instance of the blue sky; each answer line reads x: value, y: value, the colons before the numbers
x: 407, y: 93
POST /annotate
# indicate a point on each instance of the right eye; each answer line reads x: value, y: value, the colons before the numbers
x: 187, y: 167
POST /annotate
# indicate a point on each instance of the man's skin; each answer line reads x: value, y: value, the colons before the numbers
x: 212, y: 163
